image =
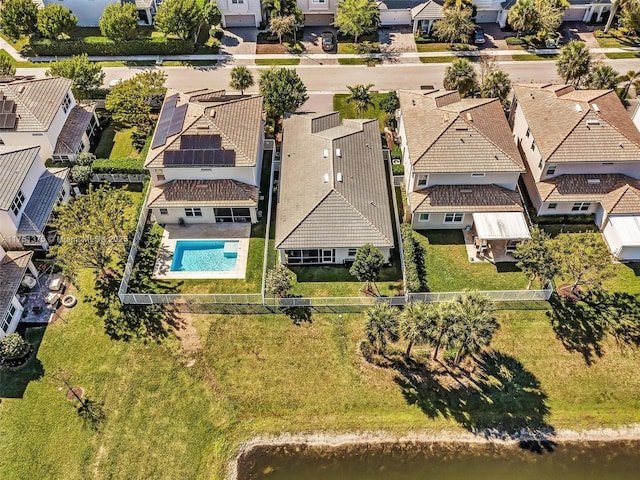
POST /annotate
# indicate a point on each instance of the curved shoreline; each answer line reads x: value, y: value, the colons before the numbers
x: 624, y: 433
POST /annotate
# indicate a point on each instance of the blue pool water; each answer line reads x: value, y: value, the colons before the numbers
x: 204, y: 256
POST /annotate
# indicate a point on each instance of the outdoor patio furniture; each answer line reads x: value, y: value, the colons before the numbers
x: 51, y: 298
x: 29, y: 281
x: 55, y: 283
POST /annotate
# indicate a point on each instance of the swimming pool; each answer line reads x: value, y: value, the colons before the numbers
x: 204, y: 256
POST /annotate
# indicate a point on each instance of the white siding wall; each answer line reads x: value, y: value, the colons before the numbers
x: 248, y: 175
x: 308, y: 6
x: 532, y: 157
x: 15, y: 319
x: 247, y: 7
x: 175, y: 214
x: 341, y: 254
x: 436, y: 221
x: 564, y: 208
x: 8, y: 229
x: 631, y: 169
x: 29, y: 139
x: 87, y: 11
x: 504, y: 179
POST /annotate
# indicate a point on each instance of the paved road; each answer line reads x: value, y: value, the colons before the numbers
x: 329, y: 78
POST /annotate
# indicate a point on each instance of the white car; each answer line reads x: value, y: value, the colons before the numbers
x: 115, y: 82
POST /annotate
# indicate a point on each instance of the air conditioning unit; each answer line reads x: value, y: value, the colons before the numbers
x: 396, y: 161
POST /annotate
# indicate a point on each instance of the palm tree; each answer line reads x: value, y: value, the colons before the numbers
x: 381, y: 326
x: 414, y: 325
x: 523, y: 17
x: 361, y: 97
x: 442, y: 316
x: 457, y: 4
x: 241, y: 78
x: 475, y: 324
x: 496, y: 85
x: 617, y: 5
x: 457, y: 25
x: 574, y: 62
x: 602, y: 77
x: 630, y: 77
x: 461, y: 76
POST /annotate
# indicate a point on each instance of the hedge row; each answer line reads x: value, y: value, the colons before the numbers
x: 132, y: 166
x: 415, y: 274
x: 44, y: 47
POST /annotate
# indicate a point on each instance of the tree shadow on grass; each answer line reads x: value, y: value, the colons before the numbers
x: 500, y: 400
x: 13, y: 383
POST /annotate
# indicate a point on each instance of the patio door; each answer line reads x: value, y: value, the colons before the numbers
x: 328, y: 256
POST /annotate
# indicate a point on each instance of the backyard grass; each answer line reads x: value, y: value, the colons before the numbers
x: 115, y: 150
x: 527, y: 57
x: 622, y: 55
x: 433, y: 47
x: 277, y: 61
x: 347, y: 109
x: 438, y: 59
x: 359, y: 61
x: 449, y: 270
x: 613, y: 42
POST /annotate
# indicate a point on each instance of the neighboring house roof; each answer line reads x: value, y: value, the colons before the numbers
x: 40, y: 205
x: 74, y: 129
x: 465, y: 198
x: 14, y: 167
x: 333, y: 201
x: 236, y: 120
x: 12, y: 269
x: 446, y: 134
x: 399, y: 4
x: 37, y: 101
x: 427, y: 10
x: 578, y: 125
x: 572, y: 3
x: 204, y: 193
x: 623, y: 200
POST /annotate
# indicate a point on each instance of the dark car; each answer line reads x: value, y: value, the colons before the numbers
x: 478, y: 36
x: 328, y: 41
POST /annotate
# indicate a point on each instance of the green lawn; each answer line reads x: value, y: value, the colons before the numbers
x: 438, y: 59
x: 359, y: 61
x: 622, y: 55
x: 613, y: 42
x: 449, y: 270
x: 347, y: 109
x: 527, y: 57
x: 277, y: 61
x: 115, y: 149
x: 433, y: 47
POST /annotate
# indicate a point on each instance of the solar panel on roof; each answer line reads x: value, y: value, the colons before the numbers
x: 177, y: 120
x: 7, y: 120
x: 162, y: 130
x: 7, y: 106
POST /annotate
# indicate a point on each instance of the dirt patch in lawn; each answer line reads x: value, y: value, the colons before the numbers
x: 271, y: 48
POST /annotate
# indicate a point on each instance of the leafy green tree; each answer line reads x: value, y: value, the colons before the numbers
x: 456, y: 26
x: 93, y: 230
x: 584, y: 259
x: 461, y: 76
x: 211, y: 14
x: 630, y: 17
x: 18, y: 17
x: 54, y: 20
x: 496, y: 84
x: 282, y: 90
x: 13, y: 347
x: 415, y: 324
x: 574, y: 63
x: 454, y: 4
x: 241, y: 78
x: 119, y: 21
x: 381, y: 326
x: 282, y: 25
x: 541, y: 17
x: 602, y: 77
x: 617, y: 5
x: 361, y: 98
x: 87, y: 76
x: 81, y: 174
x: 278, y: 280
x: 131, y: 101
x: 357, y: 17
x: 179, y: 17
x: 389, y: 103
x: 536, y: 257
x: 367, y: 264
x: 6, y: 66
x: 85, y: 158
x: 475, y: 324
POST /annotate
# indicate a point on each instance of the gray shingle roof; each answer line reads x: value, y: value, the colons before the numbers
x: 313, y: 213
x: 37, y: 101
x: 568, y: 128
x: 204, y: 193
x: 465, y: 198
x: 74, y: 128
x: 14, y: 167
x: 447, y: 134
x: 427, y: 10
x: 237, y: 119
x: 12, y: 269
x: 40, y: 205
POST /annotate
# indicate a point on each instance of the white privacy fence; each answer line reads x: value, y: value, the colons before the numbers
x: 118, y: 178
x: 495, y: 295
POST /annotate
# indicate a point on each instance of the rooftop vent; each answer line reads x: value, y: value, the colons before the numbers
x: 413, y: 102
x: 339, y: 177
x: 338, y: 153
x: 593, y: 121
x: 578, y: 107
x: 325, y: 178
x: 469, y: 117
x: 201, y: 185
x: 593, y: 181
x: 461, y: 129
x: 21, y: 89
x: 466, y: 190
x: 595, y: 107
x: 325, y: 153
x: 202, y: 127
x: 445, y: 117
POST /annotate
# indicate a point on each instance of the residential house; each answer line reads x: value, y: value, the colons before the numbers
x: 333, y: 193
x: 44, y: 112
x: 90, y: 11
x: 28, y: 194
x: 582, y: 154
x: 240, y: 13
x: 579, y: 11
x: 14, y: 265
x: 205, y: 158
x: 318, y: 12
x: 461, y: 167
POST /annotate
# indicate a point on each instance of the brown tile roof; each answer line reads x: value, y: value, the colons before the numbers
x: 623, y: 200
x: 204, y: 193
x: 237, y: 119
x: 567, y: 127
x: 345, y: 212
x: 12, y: 269
x: 74, y: 128
x: 447, y: 134
x: 37, y: 101
x: 466, y: 198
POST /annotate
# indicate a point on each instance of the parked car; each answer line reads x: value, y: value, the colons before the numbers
x: 328, y: 41
x: 478, y: 36
x: 115, y: 82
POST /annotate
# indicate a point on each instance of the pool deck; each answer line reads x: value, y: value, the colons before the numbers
x: 202, y: 231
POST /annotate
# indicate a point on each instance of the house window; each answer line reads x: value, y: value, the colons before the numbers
x: 237, y: 215
x: 453, y: 217
x: 533, y: 145
x: 164, y: 211
x: 552, y: 206
x: 423, y: 180
x: 81, y: 147
x: 160, y: 174
x: 608, y: 164
x: 551, y: 169
x: 61, y: 195
x: 351, y: 252
x: 528, y: 132
x: 66, y: 103
x: 580, y: 207
x: 540, y: 165
x: 477, y: 175
x: 8, y: 316
x: 317, y: 1
x: 17, y: 203
x: 193, y: 212
x: 298, y: 257
x: 237, y: 2
x: 423, y: 217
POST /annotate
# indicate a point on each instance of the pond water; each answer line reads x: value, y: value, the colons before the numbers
x: 612, y: 460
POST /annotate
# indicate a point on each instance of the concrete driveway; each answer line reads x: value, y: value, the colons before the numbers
x: 239, y: 41
x: 578, y: 31
x: 311, y: 39
x: 396, y: 40
x: 318, y: 103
